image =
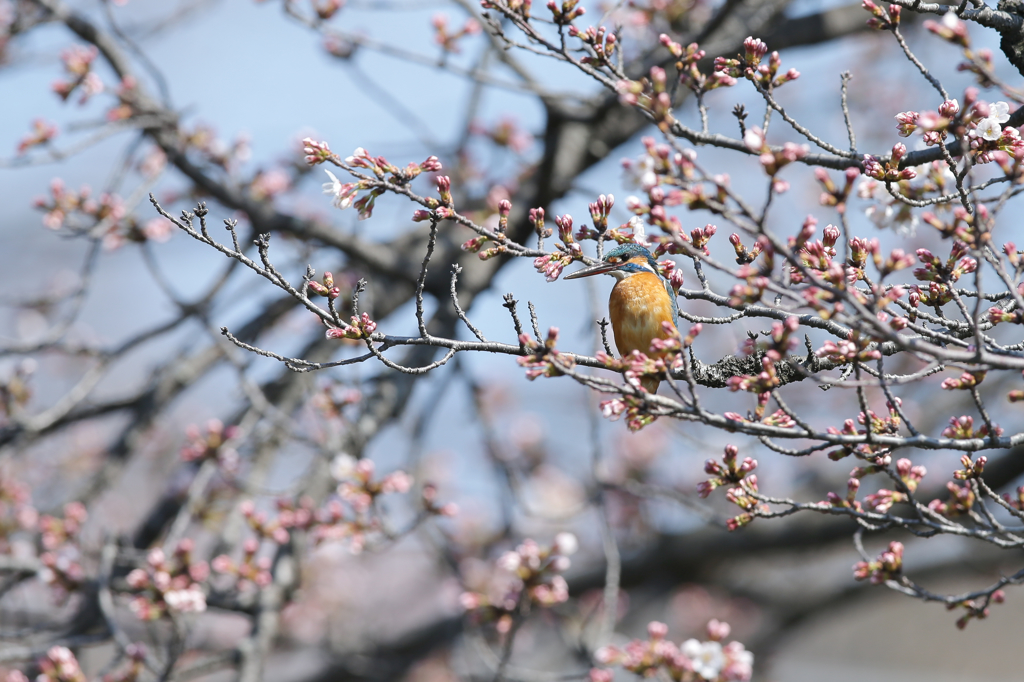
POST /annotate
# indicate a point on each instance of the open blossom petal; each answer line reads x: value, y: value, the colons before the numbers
x: 334, y: 186
x: 999, y: 112
x: 708, y: 659
x: 989, y: 129
x: 344, y: 193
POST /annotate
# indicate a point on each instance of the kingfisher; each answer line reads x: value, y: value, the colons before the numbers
x: 641, y: 300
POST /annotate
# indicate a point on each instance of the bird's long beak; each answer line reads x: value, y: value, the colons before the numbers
x: 599, y: 269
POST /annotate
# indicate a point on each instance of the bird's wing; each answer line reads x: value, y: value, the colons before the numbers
x: 672, y: 297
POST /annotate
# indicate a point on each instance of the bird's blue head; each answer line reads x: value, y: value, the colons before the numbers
x: 622, y: 261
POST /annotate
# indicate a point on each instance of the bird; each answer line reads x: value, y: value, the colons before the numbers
x: 641, y: 300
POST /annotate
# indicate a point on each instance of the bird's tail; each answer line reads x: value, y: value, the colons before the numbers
x: 650, y: 384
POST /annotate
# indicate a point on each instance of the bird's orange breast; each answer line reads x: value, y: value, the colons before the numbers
x: 637, y: 307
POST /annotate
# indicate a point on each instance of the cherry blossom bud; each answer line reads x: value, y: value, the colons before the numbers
x: 656, y: 630
x: 717, y: 630
x: 510, y: 561
x: 754, y: 50
x: 566, y: 544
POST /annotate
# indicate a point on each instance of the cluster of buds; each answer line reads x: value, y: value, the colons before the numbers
x: 972, y: 469
x: 962, y: 427
x: 773, y: 160
x: 428, y: 496
x: 753, y: 51
x: 890, y: 172
x: 499, y: 241
x: 59, y: 665
x: 78, y: 65
x: 60, y: 558
x: 701, y: 236
x: 964, y: 225
x: 876, y: 454
x: 602, y: 44
x: 361, y: 327
x: 880, y: 19
x: 211, y: 445
x: 934, y: 125
x: 343, y: 195
x: 906, y: 123
x: 569, y: 250
x: 275, y: 530
x: 881, y: 501
x: 638, y: 366
x: 979, y: 62
x: 850, y: 501
x: 542, y: 357
x: 742, y: 295
x: 316, y: 152
x: 745, y: 256
x: 856, y: 348
x: 658, y: 165
x: 520, y: 7
x: 744, y: 496
x: 60, y: 531
x: 976, y: 608
x: 961, y: 500
x: 127, y: 93
x: 565, y: 12
x: 1016, y: 501
x: 910, y: 474
x: 325, y: 9
x: 16, y: 510
x: 750, y: 66
x: 600, y: 210
x: 888, y: 565
x: 168, y: 585
x: 833, y: 194
x: 672, y: 273
x: 936, y: 295
x: 357, y: 487
x: 325, y: 287
x: 448, y: 39
x: 956, y: 266
x: 15, y: 390
x: 637, y: 416
x: 883, y: 425
x: 779, y: 418
x: 729, y: 471
x: 651, y: 95
x: 530, y: 572
x: 693, y: 660
x: 951, y: 28
x: 42, y: 132
x: 818, y: 255
x: 250, y: 571
x: 64, y: 203
x: 670, y: 340
x: 964, y: 382
x: 687, y: 59
x: 1013, y: 256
